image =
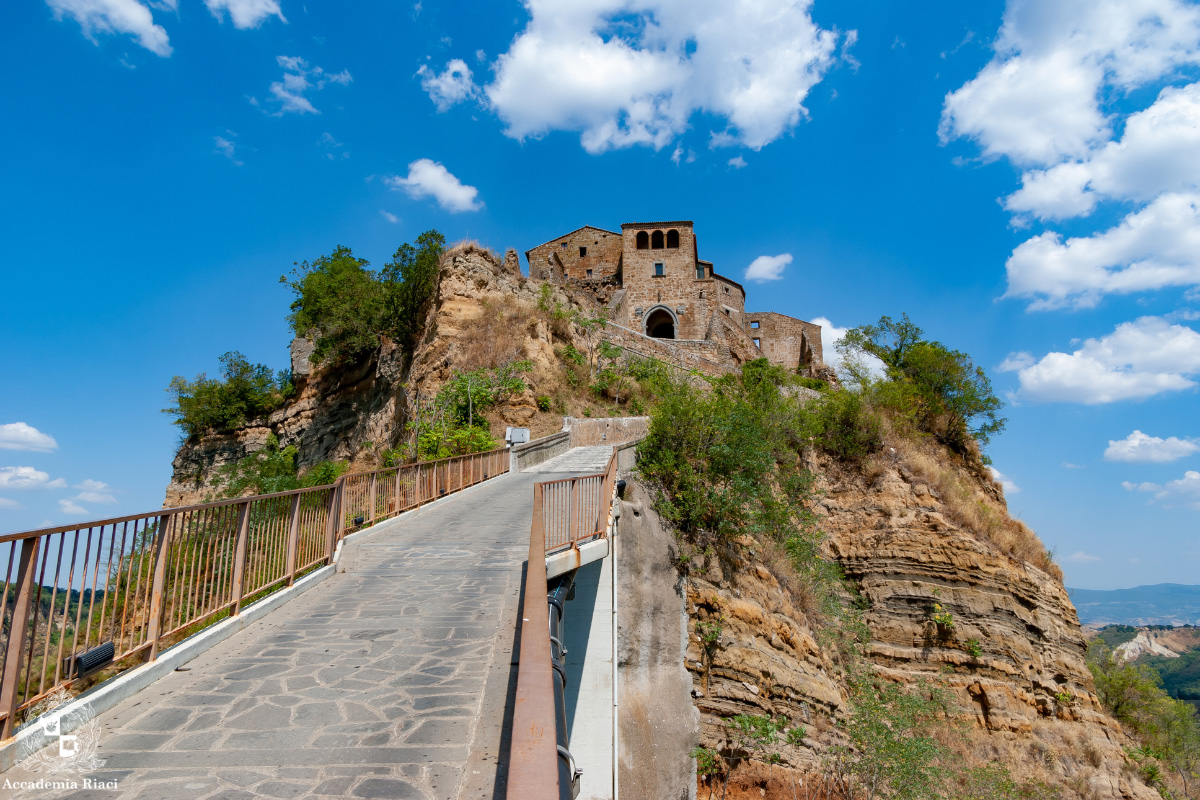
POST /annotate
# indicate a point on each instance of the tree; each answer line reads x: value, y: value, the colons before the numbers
x: 246, y: 391
x: 339, y: 303
x: 410, y: 283
x: 941, y: 390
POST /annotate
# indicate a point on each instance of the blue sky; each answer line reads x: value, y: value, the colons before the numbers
x: 1020, y: 178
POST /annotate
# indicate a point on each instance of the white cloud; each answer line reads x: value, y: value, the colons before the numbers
x: 830, y: 336
x: 1137, y: 360
x: 1006, y: 482
x: 737, y: 162
x: 245, y: 13
x: 94, y: 491
x: 1069, y: 465
x: 1038, y: 100
x: 28, y: 478
x: 1153, y: 248
x: 767, y: 268
x: 118, y: 16
x: 299, y: 78
x: 1139, y: 447
x: 1185, y: 490
x: 1156, y: 154
x: 227, y: 148
x: 626, y: 74
x: 6, y: 503
x: 454, y: 85
x: 20, y: 436
x: 1080, y: 557
x: 68, y: 506
x: 428, y: 178
x: 389, y: 216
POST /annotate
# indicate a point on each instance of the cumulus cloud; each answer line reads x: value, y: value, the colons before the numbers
x: 1140, y: 447
x: 1184, y: 491
x: 21, y: 436
x: 767, y: 268
x: 118, y: 16
x: 245, y: 13
x: 999, y: 477
x: 28, y: 478
x: 389, y: 216
x: 737, y: 162
x: 68, y: 506
x: 6, y: 503
x: 1080, y: 557
x: 1137, y: 360
x: 1155, y: 247
x: 428, y: 178
x: 454, y: 85
x: 94, y: 491
x: 298, y: 79
x: 1038, y: 100
x: 625, y: 74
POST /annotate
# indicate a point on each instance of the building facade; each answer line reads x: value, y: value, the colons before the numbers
x: 662, y: 297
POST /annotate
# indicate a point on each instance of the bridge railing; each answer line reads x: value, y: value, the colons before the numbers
x: 565, y: 514
x: 116, y: 591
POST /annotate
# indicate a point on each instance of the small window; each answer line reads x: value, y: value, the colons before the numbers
x: 757, y: 343
x: 754, y: 324
x: 726, y: 290
x: 589, y: 273
x: 727, y: 312
x: 699, y: 273
x: 582, y: 252
x: 658, y: 270
x: 701, y: 295
x: 564, y: 245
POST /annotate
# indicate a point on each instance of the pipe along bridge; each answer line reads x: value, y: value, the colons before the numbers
x: 423, y: 631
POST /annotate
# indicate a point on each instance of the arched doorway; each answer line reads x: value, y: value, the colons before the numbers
x: 660, y: 324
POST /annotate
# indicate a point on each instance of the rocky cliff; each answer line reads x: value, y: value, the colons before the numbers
x: 1009, y: 647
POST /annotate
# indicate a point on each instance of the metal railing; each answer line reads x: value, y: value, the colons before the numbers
x: 146, y: 581
x: 565, y: 513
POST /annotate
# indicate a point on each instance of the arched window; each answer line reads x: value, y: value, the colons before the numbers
x: 656, y: 241
x: 672, y: 239
x: 643, y: 240
x: 660, y: 324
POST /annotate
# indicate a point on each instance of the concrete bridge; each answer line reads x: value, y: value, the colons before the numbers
x: 397, y: 676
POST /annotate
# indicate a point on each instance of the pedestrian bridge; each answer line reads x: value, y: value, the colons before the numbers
x: 416, y: 658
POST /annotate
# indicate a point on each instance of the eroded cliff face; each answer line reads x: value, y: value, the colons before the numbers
x: 484, y: 312
x: 1012, y: 655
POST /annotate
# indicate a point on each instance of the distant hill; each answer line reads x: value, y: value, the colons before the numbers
x: 1160, y: 604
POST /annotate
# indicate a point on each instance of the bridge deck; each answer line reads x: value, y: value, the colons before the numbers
x: 388, y: 679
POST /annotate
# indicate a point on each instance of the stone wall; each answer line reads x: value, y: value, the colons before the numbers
x: 707, y: 357
x: 562, y: 257
x: 784, y: 340
x: 612, y: 431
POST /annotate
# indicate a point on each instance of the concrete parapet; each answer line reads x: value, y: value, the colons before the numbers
x: 528, y: 455
x: 611, y: 431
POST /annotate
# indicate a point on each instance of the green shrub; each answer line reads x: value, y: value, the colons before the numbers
x: 246, y: 391
x: 812, y: 383
x: 842, y: 424
x: 544, y: 402
x: 273, y: 469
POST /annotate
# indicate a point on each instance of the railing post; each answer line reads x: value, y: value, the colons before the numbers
x: 576, y: 516
x: 9, y: 694
x: 239, y: 555
x: 396, y: 489
x: 157, y: 601
x: 293, y: 539
x: 331, y: 522
x: 371, y: 498
x: 420, y: 486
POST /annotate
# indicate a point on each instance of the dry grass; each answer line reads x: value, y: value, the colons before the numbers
x: 973, y: 501
x: 468, y: 246
x: 497, y: 336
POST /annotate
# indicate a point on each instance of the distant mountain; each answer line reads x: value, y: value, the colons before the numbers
x: 1160, y: 604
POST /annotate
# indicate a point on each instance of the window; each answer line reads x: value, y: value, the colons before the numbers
x: 726, y: 290
x: 672, y: 239
x: 754, y: 324
x: 656, y: 241
x: 643, y: 241
x: 658, y: 270
x: 701, y: 295
x: 589, y: 273
x: 564, y: 245
x: 582, y: 252
x: 758, y: 344
x: 699, y: 273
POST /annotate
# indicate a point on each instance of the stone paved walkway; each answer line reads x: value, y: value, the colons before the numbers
x: 579, y: 460
x: 371, y: 684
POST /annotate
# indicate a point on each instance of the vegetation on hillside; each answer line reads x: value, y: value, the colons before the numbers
x: 272, y: 469
x: 244, y: 392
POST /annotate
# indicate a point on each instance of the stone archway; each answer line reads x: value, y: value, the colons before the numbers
x: 661, y: 323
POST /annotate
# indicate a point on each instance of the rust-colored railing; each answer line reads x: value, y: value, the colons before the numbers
x: 565, y: 513
x: 375, y: 496
x: 146, y: 581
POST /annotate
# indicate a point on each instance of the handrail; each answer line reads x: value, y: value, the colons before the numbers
x: 146, y: 581
x: 582, y: 510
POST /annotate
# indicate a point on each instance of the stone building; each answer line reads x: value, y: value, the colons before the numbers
x: 665, y: 301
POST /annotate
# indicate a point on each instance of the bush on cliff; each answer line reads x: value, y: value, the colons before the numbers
x: 245, y: 391
x: 346, y: 308
x: 273, y: 469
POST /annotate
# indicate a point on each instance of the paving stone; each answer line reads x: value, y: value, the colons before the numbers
x: 388, y: 788
x: 284, y: 789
